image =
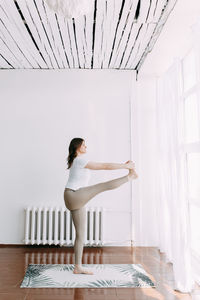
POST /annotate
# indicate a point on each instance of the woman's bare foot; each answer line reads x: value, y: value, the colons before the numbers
x: 130, y: 164
x: 80, y: 270
x: 132, y: 174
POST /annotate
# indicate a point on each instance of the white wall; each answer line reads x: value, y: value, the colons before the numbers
x: 40, y: 112
x: 144, y: 147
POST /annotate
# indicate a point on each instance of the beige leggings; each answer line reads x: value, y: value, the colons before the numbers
x: 75, y: 201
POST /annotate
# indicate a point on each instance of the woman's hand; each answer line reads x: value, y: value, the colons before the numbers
x: 130, y: 164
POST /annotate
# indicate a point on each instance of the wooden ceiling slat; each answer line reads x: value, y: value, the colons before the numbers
x: 88, y: 36
x: 151, y: 17
x: 4, y: 63
x: 144, y: 11
x: 49, y: 26
x: 94, y: 32
x: 65, y: 36
x: 133, y: 61
x: 126, y: 36
x: 128, y: 40
x: 33, y: 27
x: 169, y: 6
x: 62, y: 41
x: 97, y: 49
x: 82, y: 35
x: 45, y: 37
x: 124, y: 24
x: 51, y: 20
x: 101, y: 39
x: 79, y: 24
x: 121, y: 12
x: 139, y: 47
x: 102, y: 53
x: 13, y: 46
x: 112, y: 16
x: 70, y: 43
x: 14, y: 24
x: 82, y: 31
x: 8, y: 54
x: 133, y: 35
x: 85, y: 43
x: 73, y: 45
x: 57, y: 46
x: 76, y: 42
x: 134, y: 49
x: 160, y: 5
x: 107, y: 35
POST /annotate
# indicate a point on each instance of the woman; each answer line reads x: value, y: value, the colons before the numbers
x: 77, y: 192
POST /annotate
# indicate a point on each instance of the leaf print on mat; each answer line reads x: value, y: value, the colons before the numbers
x: 139, y: 277
x: 100, y: 283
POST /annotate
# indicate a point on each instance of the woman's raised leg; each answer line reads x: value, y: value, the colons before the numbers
x: 81, y: 196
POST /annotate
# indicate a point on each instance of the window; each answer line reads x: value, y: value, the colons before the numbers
x: 191, y: 108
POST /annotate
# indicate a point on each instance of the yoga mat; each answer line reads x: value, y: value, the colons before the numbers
x: 105, y: 275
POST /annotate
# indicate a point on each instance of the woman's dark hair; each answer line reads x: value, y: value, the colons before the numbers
x: 73, y: 146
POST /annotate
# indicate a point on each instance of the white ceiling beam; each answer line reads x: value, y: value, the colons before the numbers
x: 152, y: 15
x: 8, y: 54
x: 49, y: 27
x: 33, y: 29
x: 133, y: 36
x: 14, y: 24
x: 161, y: 4
x: 12, y: 45
x: 78, y: 27
x: 66, y: 41
x: 112, y: 16
x: 50, y: 20
x: 125, y: 34
x: 43, y: 32
x: 144, y: 10
x: 98, y: 34
x: 4, y: 63
x: 133, y: 51
x: 71, y: 34
x: 127, y: 19
x: 146, y: 34
x: 88, y: 36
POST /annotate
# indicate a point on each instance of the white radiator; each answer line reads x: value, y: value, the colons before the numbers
x: 53, y: 225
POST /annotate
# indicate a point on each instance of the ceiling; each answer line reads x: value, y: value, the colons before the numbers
x: 176, y: 39
x: 118, y: 34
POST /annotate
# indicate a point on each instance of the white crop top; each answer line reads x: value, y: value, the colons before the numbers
x: 78, y: 175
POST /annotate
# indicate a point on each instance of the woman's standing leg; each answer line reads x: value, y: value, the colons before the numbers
x: 79, y: 220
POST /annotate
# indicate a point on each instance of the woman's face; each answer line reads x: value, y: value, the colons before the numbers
x: 82, y: 148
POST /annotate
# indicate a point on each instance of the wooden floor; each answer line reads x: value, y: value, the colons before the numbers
x: 15, y: 259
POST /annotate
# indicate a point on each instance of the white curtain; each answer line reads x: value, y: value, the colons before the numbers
x: 172, y: 209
